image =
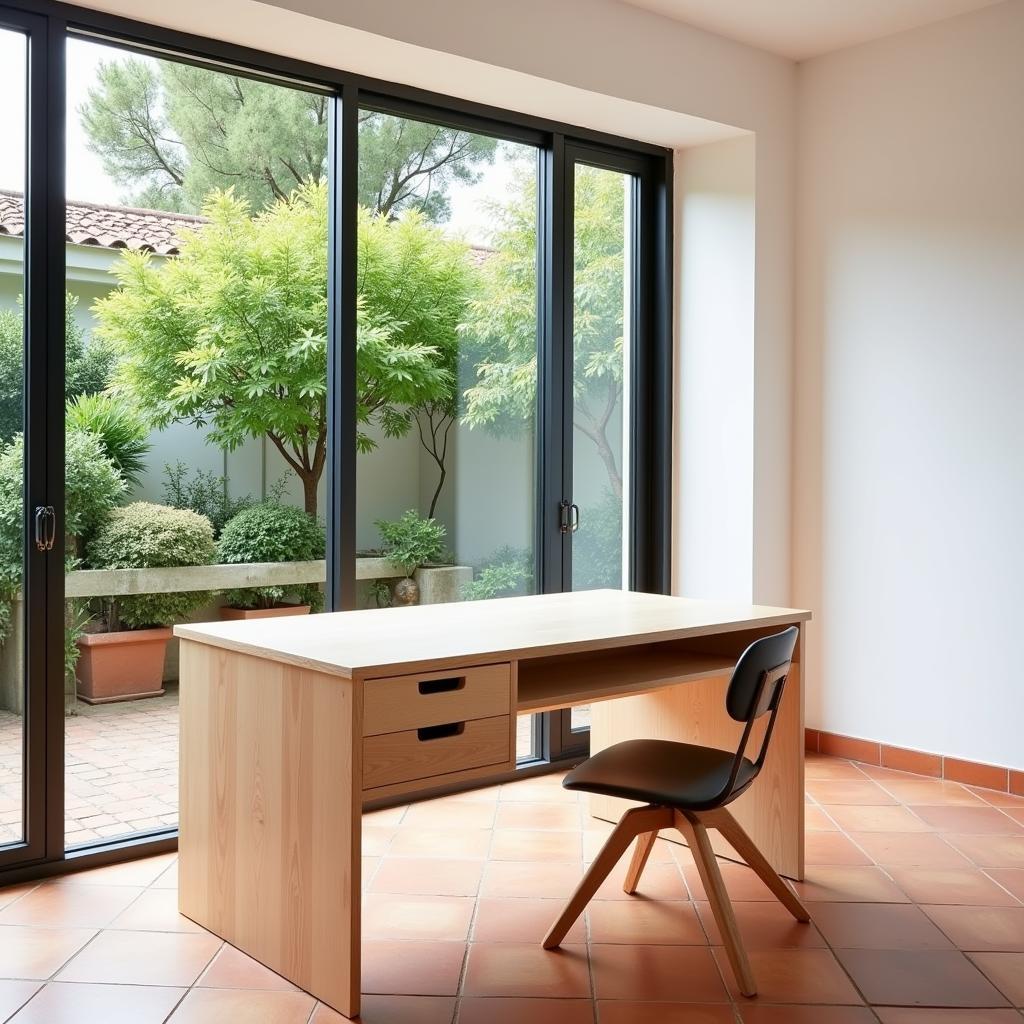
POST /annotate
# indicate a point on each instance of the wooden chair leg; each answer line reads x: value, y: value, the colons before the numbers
x: 637, y: 821
x: 644, y: 845
x: 721, y: 908
x: 746, y: 848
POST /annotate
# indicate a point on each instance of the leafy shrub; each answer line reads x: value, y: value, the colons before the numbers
x: 121, y: 431
x: 206, y: 493
x: 597, y: 547
x: 147, y: 536
x: 503, y: 574
x: 271, y: 532
x: 412, y: 541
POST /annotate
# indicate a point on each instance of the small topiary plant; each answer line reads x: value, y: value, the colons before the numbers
x: 147, y: 536
x: 412, y: 541
x: 271, y: 532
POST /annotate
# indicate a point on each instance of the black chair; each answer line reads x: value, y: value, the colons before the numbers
x: 687, y: 787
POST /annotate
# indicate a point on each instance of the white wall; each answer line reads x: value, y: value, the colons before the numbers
x: 909, y: 484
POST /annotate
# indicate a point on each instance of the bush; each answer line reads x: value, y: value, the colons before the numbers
x: 502, y: 575
x: 121, y: 431
x: 147, y: 536
x: 271, y: 532
x: 412, y: 541
x: 206, y: 494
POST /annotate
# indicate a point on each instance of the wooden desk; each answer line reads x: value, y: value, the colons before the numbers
x: 289, y: 725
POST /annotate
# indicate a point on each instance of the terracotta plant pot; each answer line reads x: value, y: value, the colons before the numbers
x: 231, y: 614
x: 126, y: 665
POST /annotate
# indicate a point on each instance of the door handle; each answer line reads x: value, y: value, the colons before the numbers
x: 568, y: 516
x: 45, y: 527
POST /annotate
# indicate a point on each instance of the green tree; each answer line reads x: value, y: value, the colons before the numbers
x: 501, y: 326
x: 170, y: 133
x: 87, y: 366
x: 231, y: 333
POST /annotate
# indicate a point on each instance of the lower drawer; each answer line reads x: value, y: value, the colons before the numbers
x: 437, y: 750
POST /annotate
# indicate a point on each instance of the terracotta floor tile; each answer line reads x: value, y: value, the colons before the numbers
x: 53, y: 904
x: 390, y: 816
x: 527, y: 970
x: 215, y: 1006
x: 389, y: 916
x: 560, y: 817
x: 901, y: 1015
x: 935, y: 792
x: 900, y: 849
x: 982, y: 928
x: 841, y: 884
x: 685, y: 974
x: 369, y: 867
x: 427, y: 877
x: 816, y: 820
x: 1005, y: 971
x: 764, y: 925
x: 740, y: 882
x: 449, y: 843
x: 841, y: 791
x: 821, y: 767
x: 36, y: 953
x: 1009, y: 878
x: 832, y: 848
x: 991, y: 851
x: 536, y: 1011
x: 131, y: 872
x: 231, y: 968
x: 538, y: 844
x: 793, y: 976
x: 542, y: 789
x: 915, y: 978
x: 442, y: 815
x: 14, y: 994
x: 1016, y: 813
x: 960, y: 886
x: 393, y: 1010
x: 854, y: 818
x: 970, y: 821
x: 521, y: 920
x: 642, y: 921
x: 412, y: 968
x: 142, y: 958
x: 877, y: 926
x: 61, y: 1003
x: 11, y: 893
x: 997, y: 798
x: 155, y: 910
x: 659, y: 882
x: 377, y: 839
x: 168, y: 880
x: 530, y: 879
x: 594, y: 840
x: 665, y: 1013
x: 754, y: 1014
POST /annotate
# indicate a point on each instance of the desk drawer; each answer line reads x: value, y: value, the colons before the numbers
x: 434, y: 750
x: 401, y: 703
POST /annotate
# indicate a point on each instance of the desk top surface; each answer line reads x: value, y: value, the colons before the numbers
x: 390, y: 641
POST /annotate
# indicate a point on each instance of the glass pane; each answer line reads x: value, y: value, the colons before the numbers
x: 447, y: 376
x: 13, y: 129
x: 601, y: 306
x: 196, y: 340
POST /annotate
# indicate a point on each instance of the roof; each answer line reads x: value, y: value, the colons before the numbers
x: 110, y: 227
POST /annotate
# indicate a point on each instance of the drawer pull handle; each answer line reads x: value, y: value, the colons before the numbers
x: 428, y: 686
x: 440, y: 732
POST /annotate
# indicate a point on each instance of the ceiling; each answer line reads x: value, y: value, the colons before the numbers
x: 799, y: 29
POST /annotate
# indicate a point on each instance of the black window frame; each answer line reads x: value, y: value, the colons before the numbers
x: 51, y: 24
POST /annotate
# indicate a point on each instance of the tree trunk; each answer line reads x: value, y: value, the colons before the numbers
x: 309, y: 495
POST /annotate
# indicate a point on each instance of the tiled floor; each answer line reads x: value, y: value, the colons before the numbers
x: 915, y: 887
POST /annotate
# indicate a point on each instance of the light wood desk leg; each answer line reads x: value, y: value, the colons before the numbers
x: 269, y: 847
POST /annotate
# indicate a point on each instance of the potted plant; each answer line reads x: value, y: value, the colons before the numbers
x: 410, y: 542
x: 125, y: 661
x: 271, y: 532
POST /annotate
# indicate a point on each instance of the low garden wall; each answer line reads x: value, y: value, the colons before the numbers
x: 438, y: 585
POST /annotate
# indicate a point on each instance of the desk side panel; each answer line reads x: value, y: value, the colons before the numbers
x: 772, y: 810
x: 269, y: 841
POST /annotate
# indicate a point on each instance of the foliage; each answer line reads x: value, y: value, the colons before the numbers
x: 169, y: 133
x: 380, y: 591
x: 502, y: 324
x: 143, y: 535
x: 597, y: 546
x: 412, y: 541
x: 231, y: 333
x: 271, y: 532
x: 206, y: 493
x: 506, y: 572
x: 87, y: 367
x: 121, y: 431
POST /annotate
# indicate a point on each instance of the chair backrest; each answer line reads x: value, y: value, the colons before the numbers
x: 760, y: 674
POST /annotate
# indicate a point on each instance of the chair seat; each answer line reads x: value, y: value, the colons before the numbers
x: 680, y: 775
